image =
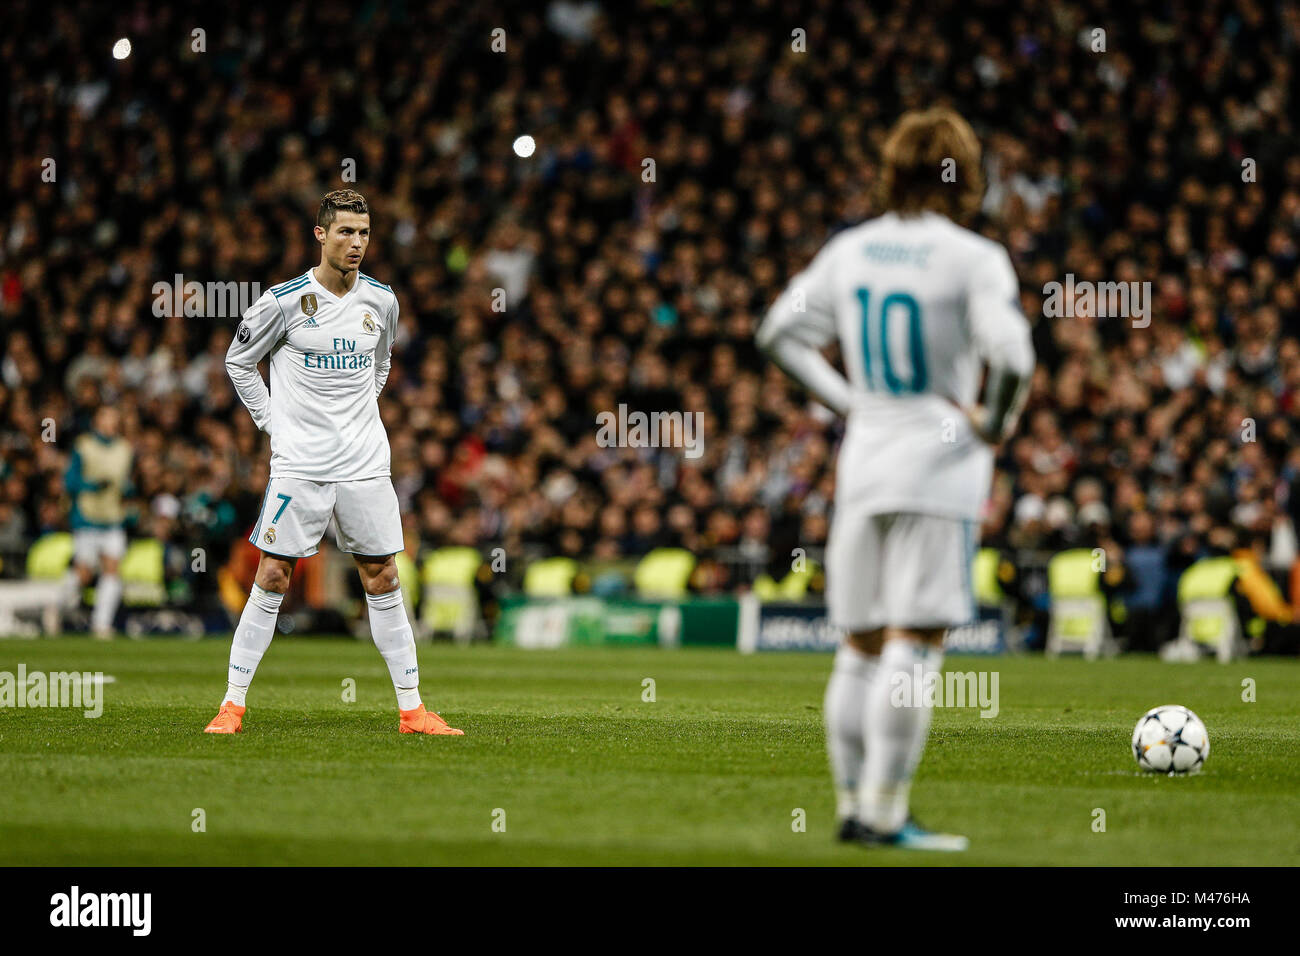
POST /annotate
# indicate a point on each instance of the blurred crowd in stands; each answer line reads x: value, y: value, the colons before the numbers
x: 1170, y: 157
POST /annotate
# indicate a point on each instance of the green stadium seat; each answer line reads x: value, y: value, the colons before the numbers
x: 144, y: 581
x: 1208, y: 611
x: 449, y: 603
x: 550, y: 577
x: 664, y: 573
x: 50, y: 556
x: 1079, y: 621
x: 792, y: 587
x: 984, y: 578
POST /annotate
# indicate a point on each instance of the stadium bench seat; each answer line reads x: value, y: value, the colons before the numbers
x: 144, y: 580
x: 792, y: 587
x: 1079, y: 622
x: 550, y: 577
x: 49, y: 556
x: 664, y: 573
x: 1208, y: 612
x: 449, y: 603
x: 47, y: 562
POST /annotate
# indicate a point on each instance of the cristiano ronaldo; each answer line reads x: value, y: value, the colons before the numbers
x: 329, y: 334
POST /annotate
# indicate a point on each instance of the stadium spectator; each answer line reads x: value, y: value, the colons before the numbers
x: 1151, y: 617
x: 626, y: 287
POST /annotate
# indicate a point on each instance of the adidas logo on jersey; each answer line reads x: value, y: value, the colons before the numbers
x: 311, y: 324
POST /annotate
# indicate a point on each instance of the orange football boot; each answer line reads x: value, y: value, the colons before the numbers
x: 229, y: 720
x: 421, y: 721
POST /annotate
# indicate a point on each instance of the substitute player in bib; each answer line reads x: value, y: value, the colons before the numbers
x: 98, y: 478
x: 920, y: 306
x: 330, y: 334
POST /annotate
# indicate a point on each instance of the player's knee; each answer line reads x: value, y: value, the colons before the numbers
x: 277, y: 581
x: 382, y: 583
x: 932, y: 636
x: 927, y: 636
x: 867, y: 642
x: 274, y: 576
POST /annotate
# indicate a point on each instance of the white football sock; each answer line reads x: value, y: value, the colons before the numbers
x: 108, y: 594
x: 895, y: 735
x: 72, y: 588
x: 252, y: 638
x: 391, y: 631
x: 846, y: 695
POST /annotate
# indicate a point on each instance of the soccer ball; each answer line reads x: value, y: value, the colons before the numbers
x: 1170, y: 739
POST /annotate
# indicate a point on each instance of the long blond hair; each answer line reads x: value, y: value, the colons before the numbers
x: 915, y: 157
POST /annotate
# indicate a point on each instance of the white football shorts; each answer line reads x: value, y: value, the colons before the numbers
x: 899, y: 570
x: 89, y: 544
x: 296, y: 511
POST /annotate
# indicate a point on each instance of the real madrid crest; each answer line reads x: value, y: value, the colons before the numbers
x: 308, y: 303
x: 368, y: 324
x: 269, y: 537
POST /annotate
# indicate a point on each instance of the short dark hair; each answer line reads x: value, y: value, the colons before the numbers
x: 340, y: 200
x: 914, y: 156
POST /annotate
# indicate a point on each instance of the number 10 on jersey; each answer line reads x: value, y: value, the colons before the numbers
x: 876, y: 362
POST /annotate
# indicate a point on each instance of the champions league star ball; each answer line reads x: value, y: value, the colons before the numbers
x: 1170, y: 739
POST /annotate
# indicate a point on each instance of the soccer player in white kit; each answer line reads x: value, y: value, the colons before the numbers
x: 330, y: 334
x: 920, y: 306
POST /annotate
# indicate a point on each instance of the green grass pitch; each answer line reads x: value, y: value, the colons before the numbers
x: 587, y: 772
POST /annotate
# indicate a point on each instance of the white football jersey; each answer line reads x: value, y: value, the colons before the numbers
x: 918, y: 304
x: 330, y: 357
